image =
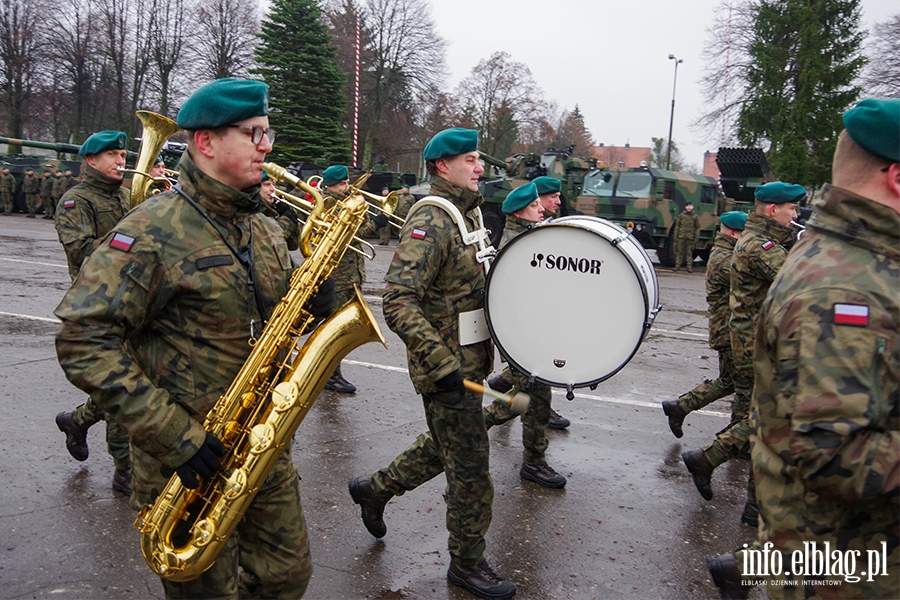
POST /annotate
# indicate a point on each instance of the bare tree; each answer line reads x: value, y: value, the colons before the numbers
x: 20, y: 37
x: 498, y: 98
x: 115, y: 18
x: 881, y: 77
x: 225, y: 38
x: 167, y: 42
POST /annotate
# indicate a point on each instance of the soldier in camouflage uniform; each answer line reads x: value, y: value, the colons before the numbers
x: 351, y: 271
x: 825, y: 411
x: 687, y: 232
x: 31, y: 187
x: 718, y: 290
x: 433, y: 280
x: 157, y: 325
x: 384, y: 232
x: 86, y: 214
x: 757, y: 257
x: 405, y: 202
x: 7, y: 190
x: 281, y: 212
x: 59, y: 188
x: 47, y: 194
x: 71, y: 181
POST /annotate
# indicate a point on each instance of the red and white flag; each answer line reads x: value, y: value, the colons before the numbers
x: 851, y: 314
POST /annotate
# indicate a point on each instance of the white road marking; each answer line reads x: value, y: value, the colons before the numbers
x: 34, y: 262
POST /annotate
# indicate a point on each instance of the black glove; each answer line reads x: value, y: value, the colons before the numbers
x: 380, y: 220
x: 204, y: 462
x: 284, y: 210
x: 451, y: 383
x: 322, y: 304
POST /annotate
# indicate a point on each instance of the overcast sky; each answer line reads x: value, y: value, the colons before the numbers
x: 610, y: 58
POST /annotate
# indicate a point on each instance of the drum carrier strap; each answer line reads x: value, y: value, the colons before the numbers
x: 480, y: 236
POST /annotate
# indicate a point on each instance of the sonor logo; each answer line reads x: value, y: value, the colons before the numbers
x: 567, y: 263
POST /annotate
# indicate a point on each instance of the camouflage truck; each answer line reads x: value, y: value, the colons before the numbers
x: 647, y: 201
x: 19, y: 163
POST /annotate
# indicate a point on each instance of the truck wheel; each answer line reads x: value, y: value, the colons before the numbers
x: 495, y: 223
x: 666, y: 254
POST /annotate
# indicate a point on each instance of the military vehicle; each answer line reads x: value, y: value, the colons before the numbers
x: 20, y: 163
x: 741, y: 171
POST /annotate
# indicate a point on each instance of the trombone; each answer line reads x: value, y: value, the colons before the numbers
x: 386, y: 205
x: 312, y: 211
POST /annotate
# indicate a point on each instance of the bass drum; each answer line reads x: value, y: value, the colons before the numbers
x: 570, y: 300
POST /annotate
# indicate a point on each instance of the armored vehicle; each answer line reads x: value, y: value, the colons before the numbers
x: 19, y: 163
x: 741, y: 171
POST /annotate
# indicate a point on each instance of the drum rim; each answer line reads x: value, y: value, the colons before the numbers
x: 648, y: 323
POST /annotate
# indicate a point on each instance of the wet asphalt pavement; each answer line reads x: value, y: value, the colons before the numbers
x: 629, y: 524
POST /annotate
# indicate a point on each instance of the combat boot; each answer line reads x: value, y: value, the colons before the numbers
x: 76, y: 435
x: 701, y: 470
x: 499, y: 384
x: 750, y: 516
x: 557, y: 421
x: 727, y: 577
x: 122, y: 481
x: 676, y: 416
x: 481, y: 580
x: 372, y: 508
x: 542, y: 475
x: 337, y: 383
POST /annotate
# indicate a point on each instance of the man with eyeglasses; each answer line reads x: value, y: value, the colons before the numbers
x: 160, y: 320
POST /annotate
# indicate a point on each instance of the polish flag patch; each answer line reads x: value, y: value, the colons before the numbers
x: 69, y: 204
x: 122, y: 242
x: 768, y: 245
x: 851, y: 314
x: 418, y: 234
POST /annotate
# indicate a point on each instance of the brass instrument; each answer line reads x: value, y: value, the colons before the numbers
x: 185, y: 530
x: 157, y: 129
x: 386, y: 205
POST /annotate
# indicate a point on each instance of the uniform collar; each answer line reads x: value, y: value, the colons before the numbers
x: 214, y: 195
x: 769, y: 228
x: 858, y: 220
x: 462, y: 198
x: 98, y: 180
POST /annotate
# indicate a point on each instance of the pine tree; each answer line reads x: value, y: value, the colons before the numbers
x: 806, y: 57
x: 306, y: 104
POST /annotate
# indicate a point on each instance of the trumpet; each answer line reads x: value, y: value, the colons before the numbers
x: 386, y: 205
x: 310, y: 210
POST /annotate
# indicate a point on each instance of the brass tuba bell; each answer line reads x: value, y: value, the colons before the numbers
x: 157, y: 129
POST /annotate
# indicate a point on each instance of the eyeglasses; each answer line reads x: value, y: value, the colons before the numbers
x: 257, y: 133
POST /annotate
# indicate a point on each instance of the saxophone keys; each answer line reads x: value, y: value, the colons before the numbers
x: 262, y: 436
x: 285, y: 396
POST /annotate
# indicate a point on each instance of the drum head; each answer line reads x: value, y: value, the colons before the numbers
x: 565, y: 305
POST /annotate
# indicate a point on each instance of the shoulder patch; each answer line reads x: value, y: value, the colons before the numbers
x: 418, y: 234
x: 768, y: 245
x: 70, y: 203
x: 851, y: 314
x: 122, y: 242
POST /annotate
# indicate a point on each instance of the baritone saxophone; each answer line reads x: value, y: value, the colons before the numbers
x: 184, y: 531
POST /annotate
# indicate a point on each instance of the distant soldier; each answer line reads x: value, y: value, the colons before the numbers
x: 281, y: 212
x: 687, y: 232
x: 157, y: 171
x: 757, y: 257
x: 47, y: 194
x: 825, y: 417
x: 71, y: 181
x: 31, y: 187
x: 59, y: 188
x: 406, y: 200
x: 718, y: 290
x: 351, y: 271
x: 86, y: 214
x: 384, y: 233
x: 7, y: 191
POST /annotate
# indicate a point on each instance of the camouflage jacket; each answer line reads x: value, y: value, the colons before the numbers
x: 514, y: 226
x: 718, y: 289
x: 352, y: 268
x: 687, y: 226
x: 7, y: 183
x: 86, y: 213
x: 31, y: 184
x: 157, y: 323
x: 433, y: 278
x: 405, y: 203
x: 71, y: 181
x: 287, y: 220
x: 47, y: 187
x: 59, y: 187
x: 757, y: 257
x: 826, y: 402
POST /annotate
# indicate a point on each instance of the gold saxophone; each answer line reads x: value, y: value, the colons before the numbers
x: 184, y: 531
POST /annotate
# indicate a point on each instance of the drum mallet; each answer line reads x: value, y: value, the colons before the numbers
x: 518, y: 404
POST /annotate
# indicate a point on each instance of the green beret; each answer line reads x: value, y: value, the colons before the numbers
x: 265, y: 176
x: 547, y: 185
x: 688, y: 203
x: 223, y: 102
x: 875, y: 126
x: 159, y: 159
x: 734, y: 219
x: 778, y: 192
x: 451, y: 142
x: 334, y: 174
x: 519, y: 198
x: 103, y: 141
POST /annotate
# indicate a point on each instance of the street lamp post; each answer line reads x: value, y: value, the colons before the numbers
x: 672, y: 114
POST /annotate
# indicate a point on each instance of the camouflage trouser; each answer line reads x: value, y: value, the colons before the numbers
x: 684, y: 251
x: 33, y: 202
x: 711, y: 390
x: 117, y: 444
x: 270, y: 546
x: 49, y: 206
x: 7, y: 202
x: 384, y: 234
x: 456, y: 444
x: 534, y: 421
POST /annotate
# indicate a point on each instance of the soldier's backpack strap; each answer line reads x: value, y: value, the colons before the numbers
x: 480, y: 236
